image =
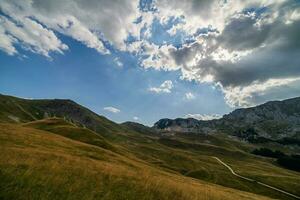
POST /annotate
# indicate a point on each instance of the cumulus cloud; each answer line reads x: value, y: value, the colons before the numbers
x: 249, y: 95
x: 203, y: 116
x: 112, y: 109
x: 189, y: 96
x: 165, y: 87
x: 246, y: 52
x: 247, y: 49
x: 6, y: 43
x: 31, y: 36
x: 199, y: 14
x: 91, y: 23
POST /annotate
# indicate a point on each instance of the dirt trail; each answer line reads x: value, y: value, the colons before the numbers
x: 252, y: 180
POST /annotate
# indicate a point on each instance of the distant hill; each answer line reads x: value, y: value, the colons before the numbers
x: 13, y: 109
x: 272, y: 120
x: 139, y: 127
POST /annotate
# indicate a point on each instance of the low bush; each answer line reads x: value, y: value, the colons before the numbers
x: 268, y: 153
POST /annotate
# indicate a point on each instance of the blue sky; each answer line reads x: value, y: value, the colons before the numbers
x: 151, y: 60
x: 96, y: 81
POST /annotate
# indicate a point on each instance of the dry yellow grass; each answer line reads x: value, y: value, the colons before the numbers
x: 37, y: 164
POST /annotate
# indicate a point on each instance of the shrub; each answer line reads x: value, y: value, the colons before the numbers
x: 268, y: 153
x: 290, y: 162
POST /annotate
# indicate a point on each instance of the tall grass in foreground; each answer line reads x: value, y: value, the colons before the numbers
x: 36, y: 164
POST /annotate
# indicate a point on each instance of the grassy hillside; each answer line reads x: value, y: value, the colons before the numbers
x: 63, y: 128
x: 140, y: 128
x: 78, y: 143
x: 193, y: 157
x: 17, y: 110
x: 190, y: 156
x: 36, y: 164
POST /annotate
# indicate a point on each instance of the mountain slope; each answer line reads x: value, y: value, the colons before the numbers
x: 139, y: 127
x: 185, y: 156
x: 63, y: 128
x: 82, y: 171
x: 273, y: 120
x: 14, y: 109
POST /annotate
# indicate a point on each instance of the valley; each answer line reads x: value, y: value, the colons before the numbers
x: 57, y: 149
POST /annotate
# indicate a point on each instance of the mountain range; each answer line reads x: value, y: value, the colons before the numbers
x: 274, y: 120
x: 58, y: 149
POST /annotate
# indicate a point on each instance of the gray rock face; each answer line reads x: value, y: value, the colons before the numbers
x: 274, y: 120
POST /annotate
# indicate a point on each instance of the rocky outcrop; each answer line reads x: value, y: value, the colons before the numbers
x: 272, y: 120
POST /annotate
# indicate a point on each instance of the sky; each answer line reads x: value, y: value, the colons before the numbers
x: 143, y: 60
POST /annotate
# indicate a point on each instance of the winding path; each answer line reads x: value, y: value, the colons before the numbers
x: 252, y: 180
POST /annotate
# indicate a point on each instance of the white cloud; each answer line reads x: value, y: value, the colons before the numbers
x: 189, y: 96
x: 136, y: 118
x: 203, y: 116
x: 246, y: 54
x: 165, y: 87
x: 118, y: 62
x: 158, y: 57
x: 245, y: 96
x: 91, y: 23
x: 30, y: 35
x: 112, y: 109
x: 6, y: 43
x: 238, y: 51
x: 71, y: 26
x: 207, y: 13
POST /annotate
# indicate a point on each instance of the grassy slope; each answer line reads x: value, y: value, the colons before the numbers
x: 37, y: 164
x: 13, y: 109
x: 191, y: 156
x: 180, y: 154
x: 66, y: 129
